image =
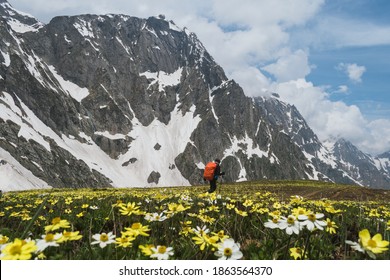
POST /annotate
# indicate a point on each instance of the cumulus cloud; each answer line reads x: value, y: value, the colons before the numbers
x: 354, y: 71
x: 330, y: 119
x: 290, y: 66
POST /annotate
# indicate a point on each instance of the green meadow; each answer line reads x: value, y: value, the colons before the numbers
x: 290, y: 220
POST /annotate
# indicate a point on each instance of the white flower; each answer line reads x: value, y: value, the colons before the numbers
x: 201, y: 231
x: 272, y: 223
x: 228, y: 250
x: 155, y: 217
x: 48, y: 240
x: 103, y: 239
x: 354, y: 245
x: 290, y: 224
x: 311, y: 221
x: 162, y: 252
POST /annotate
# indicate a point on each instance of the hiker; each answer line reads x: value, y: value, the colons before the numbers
x: 211, y: 173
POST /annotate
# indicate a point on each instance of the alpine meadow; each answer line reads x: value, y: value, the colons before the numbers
x: 258, y: 220
x: 107, y: 123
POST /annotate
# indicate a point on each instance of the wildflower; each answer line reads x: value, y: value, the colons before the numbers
x: 388, y: 225
x: 124, y: 241
x: 176, y: 208
x: 206, y: 219
x: 146, y: 249
x: 228, y: 250
x: 299, y: 211
x: 68, y: 200
x: 18, y: 250
x: 57, y: 223
x: 230, y: 206
x: 79, y: 215
x: 93, y: 207
x: 290, y: 224
x: 186, y: 228
x: 41, y: 256
x: 3, y: 240
x: 201, y: 231
x: 248, y: 203
x: 241, y: 213
x: 355, y: 245
x: 103, y: 239
x: 297, y: 253
x: 374, y: 244
x: 221, y: 235
x: 162, y: 252
x: 69, y: 236
x: 48, y: 240
x: 272, y: 223
x: 330, y: 209
x: 129, y: 209
x: 137, y: 229
x: 155, y: 217
x: 371, y: 246
x: 331, y: 226
x: 311, y: 221
x: 205, y: 240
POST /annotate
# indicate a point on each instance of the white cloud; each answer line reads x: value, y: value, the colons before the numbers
x: 342, y: 89
x: 335, y: 119
x: 291, y: 66
x: 354, y: 71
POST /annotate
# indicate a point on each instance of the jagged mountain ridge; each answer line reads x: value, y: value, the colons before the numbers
x: 117, y: 100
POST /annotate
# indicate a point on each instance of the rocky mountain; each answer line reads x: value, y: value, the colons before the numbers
x: 114, y: 100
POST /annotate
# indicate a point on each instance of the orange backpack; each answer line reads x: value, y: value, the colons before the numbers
x: 209, y: 171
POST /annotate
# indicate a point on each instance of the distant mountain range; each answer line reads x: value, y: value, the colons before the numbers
x: 115, y: 100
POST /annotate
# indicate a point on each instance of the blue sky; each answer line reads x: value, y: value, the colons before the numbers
x: 330, y: 58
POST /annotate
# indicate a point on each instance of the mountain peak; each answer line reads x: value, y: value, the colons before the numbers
x: 19, y: 22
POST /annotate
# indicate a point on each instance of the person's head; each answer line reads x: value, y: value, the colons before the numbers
x: 217, y: 160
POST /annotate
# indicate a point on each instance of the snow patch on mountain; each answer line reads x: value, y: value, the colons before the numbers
x: 76, y: 92
x: 163, y: 79
x: 15, y: 177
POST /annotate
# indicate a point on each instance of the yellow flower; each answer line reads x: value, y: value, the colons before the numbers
x: 18, y: 250
x: 230, y: 206
x: 57, y: 223
x: 146, y: 249
x: 3, y: 239
x: 69, y: 236
x: 176, y: 208
x: 221, y: 235
x: 205, y: 240
x: 186, y: 228
x: 137, y: 229
x: 297, y: 253
x: 374, y: 244
x: 241, y: 213
x: 331, y: 226
x: 300, y: 211
x: 247, y: 203
x: 124, y: 241
x: 129, y: 209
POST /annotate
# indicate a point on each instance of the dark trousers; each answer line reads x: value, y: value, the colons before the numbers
x: 213, y: 185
